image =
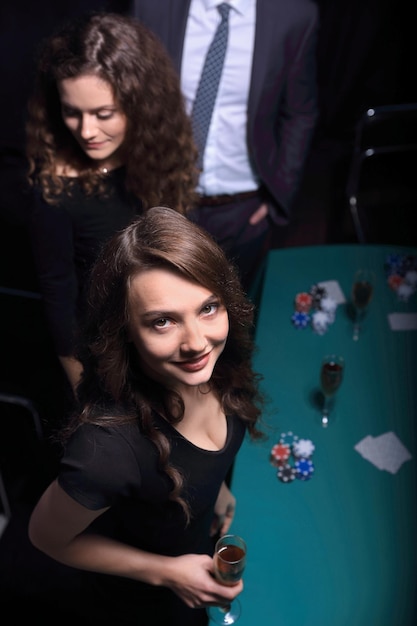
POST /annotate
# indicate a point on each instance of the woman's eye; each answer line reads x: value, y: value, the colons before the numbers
x: 101, y: 115
x: 209, y: 309
x: 105, y: 115
x: 161, y: 323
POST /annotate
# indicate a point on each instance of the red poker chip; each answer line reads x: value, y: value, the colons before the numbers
x: 280, y: 453
x: 395, y: 281
x: 303, y: 302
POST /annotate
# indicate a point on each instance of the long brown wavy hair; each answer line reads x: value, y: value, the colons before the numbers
x: 161, y: 155
x: 114, y: 389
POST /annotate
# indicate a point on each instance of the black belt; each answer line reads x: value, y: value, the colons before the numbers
x: 227, y: 198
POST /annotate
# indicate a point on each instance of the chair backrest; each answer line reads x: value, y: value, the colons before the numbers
x: 5, y: 510
x: 388, y: 128
x: 382, y: 181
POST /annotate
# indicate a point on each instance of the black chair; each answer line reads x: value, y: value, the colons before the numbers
x: 382, y: 181
x: 5, y: 511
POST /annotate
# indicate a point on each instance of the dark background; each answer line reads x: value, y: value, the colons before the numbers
x: 364, y: 53
x: 364, y: 56
x: 364, y: 59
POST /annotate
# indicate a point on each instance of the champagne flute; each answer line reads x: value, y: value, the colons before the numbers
x: 362, y: 292
x: 229, y: 563
x: 331, y: 376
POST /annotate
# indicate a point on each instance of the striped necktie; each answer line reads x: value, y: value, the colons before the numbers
x: 209, y: 82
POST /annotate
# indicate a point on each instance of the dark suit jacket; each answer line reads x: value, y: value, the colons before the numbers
x: 282, y: 108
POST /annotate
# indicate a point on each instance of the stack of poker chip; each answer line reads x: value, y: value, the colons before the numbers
x: 317, y: 293
x: 304, y: 469
x: 303, y: 448
x: 315, y: 309
x: 292, y: 456
x: 303, y: 302
x: 280, y: 454
x: 401, y: 272
x: 287, y: 473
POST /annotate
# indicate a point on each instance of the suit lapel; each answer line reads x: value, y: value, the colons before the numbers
x: 264, y: 32
x: 178, y: 13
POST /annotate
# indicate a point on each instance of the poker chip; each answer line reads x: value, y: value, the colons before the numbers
x: 411, y: 277
x: 404, y: 291
x: 303, y: 302
x: 394, y: 281
x: 303, y: 448
x: 288, y: 438
x: 300, y: 319
x: 317, y: 293
x: 393, y: 263
x: 314, y: 308
x: 286, y: 473
x: 320, y: 322
x: 280, y: 453
x: 292, y: 456
x: 304, y: 469
x: 401, y: 273
x: 410, y: 263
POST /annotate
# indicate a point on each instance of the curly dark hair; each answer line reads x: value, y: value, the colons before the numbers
x: 113, y: 379
x: 161, y: 154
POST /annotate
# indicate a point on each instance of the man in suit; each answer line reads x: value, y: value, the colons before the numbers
x: 264, y: 116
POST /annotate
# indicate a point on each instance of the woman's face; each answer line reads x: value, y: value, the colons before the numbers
x: 178, y: 327
x: 94, y: 118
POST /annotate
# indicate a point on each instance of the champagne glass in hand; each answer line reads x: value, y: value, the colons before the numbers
x: 229, y: 563
x: 331, y: 376
x: 362, y: 292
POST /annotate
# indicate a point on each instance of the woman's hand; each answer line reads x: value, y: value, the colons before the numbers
x: 259, y: 214
x: 191, y: 577
x: 224, y: 511
x: 57, y: 526
x: 73, y: 369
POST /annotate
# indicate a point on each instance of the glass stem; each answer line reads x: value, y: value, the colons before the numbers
x: 359, y: 315
x: 356, y: 329
x: 325, y: 412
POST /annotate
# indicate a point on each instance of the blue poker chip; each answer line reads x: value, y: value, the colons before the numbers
x: 300, y: 319
x: 286, y: 473
x: 393, y: 263
x: 304, y: 469
x: 399, y: 264
x: 288, y: 438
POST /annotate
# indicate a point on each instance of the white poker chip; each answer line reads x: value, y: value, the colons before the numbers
x: 303, y: 448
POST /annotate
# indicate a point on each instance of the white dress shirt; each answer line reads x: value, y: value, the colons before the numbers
x: 227, y: 168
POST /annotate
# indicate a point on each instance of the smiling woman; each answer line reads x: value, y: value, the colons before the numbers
x: 101, y: 150
x: 179, y: 328
x: 95, y: 120
x: 167, y: 395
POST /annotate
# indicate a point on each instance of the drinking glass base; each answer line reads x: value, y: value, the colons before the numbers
x: 223, y: 616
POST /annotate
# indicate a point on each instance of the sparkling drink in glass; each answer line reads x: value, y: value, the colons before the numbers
x: 229, y: 564
x: 361, y: 296
x: 331, y: 376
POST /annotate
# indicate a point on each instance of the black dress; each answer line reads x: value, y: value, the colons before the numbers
x: 117, y: 467
x: 66, y: 238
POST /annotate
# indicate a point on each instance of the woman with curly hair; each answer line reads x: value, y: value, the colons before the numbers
x: 166, y: 397
x: 107, y: 138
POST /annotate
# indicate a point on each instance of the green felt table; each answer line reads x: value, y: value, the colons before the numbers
x: 338, y: 549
